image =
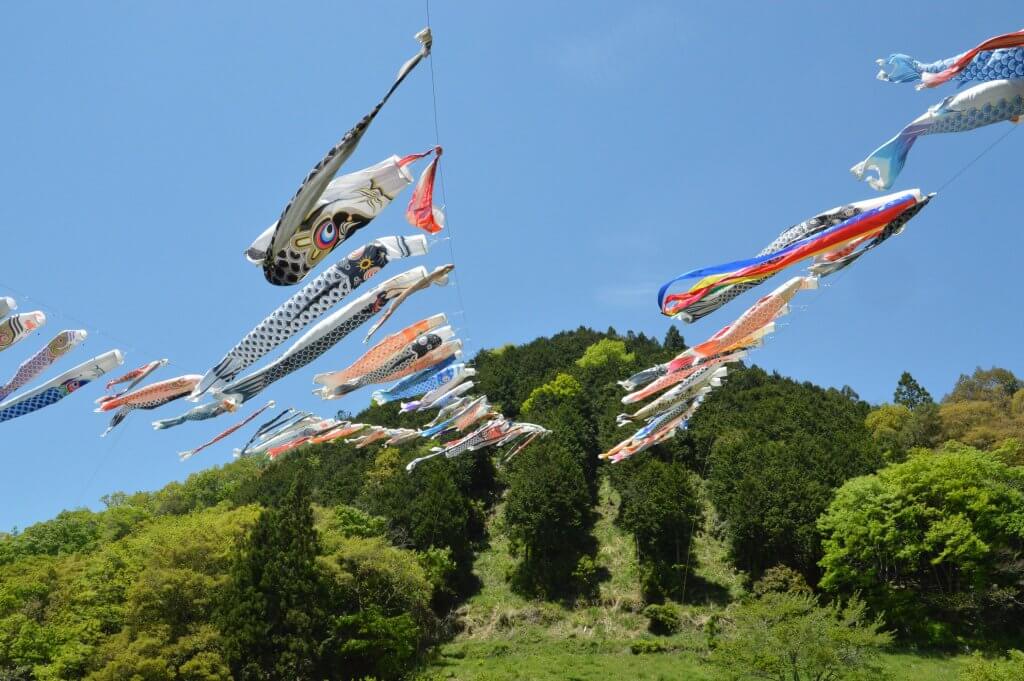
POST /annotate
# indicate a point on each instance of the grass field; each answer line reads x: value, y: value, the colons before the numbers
x: 506, y: 637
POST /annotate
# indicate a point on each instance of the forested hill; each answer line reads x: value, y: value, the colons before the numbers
x: 793, y: 531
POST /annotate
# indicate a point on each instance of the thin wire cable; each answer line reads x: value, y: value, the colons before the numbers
x: 444, y: 195
x: 977, y: 158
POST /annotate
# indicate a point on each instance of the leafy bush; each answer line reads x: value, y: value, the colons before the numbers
x: 788, y: 636
x: 1009, y: 669
x: 646, y: 646
x: 663, y: 619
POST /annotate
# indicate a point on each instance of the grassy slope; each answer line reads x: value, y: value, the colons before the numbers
x: 509, y: 638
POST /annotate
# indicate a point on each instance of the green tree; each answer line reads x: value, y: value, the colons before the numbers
x: 778, y: 449
x: 987, y: 385
x: 787, y: 636
x: 910, y: 393
x: 548, y: 519
x: 272, y: 606
x: 673, y: 340
x: 934, y: 542
x: 659, y: 507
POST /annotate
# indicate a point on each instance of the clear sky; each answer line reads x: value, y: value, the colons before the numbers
x: 590, y: 155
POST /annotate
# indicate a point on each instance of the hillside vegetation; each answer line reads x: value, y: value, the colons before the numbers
x: 793, y: 532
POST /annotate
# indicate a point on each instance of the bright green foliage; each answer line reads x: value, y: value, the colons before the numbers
x: 548, y: 519
x: 130, y: 605
x: 606, y: 351
x: 659, y: 507
x: 1009, y: 669
x: 985, y: 385
x: 911, y: 394
x: 381, y: 625
x: 349, y: 521
x: 896, y: 428
x: 934, y: 542
x: 563, y: 387
x: 789, y: 637
x: 69, y: 532
x: 984, y: 408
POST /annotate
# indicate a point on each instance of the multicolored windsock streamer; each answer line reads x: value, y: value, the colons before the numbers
x: 57, y: 389
x: 720, y: 296
x: 711, y: 279
x: 996, y: 58
x: 60, y: 345
x: 308, y: 228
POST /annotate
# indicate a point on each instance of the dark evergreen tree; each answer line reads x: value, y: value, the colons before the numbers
x: 659, y: 507
x: 673, y: 340
x: 910, y: 393
x: 548, y: 519
x: 271, y: 613
x: 778, y: 450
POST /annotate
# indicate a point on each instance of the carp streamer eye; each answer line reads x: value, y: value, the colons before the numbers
x: 325, y: 235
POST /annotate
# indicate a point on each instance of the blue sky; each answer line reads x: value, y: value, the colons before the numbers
x: 590, y: 155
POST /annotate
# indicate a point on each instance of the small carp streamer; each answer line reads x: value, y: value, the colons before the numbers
x: 184, y: 456
x: 325, y: 334
x: 309, y: 228
x: 133, y: 378
x: 438, y: 277
x: 992, y: 102
x: 425, y: 351
x: 312, y: 301
x: 201, y: 413
x: 18, y: 327
x: 63, y: 343
x: 149, y: 397
x: 416, y: 384
x: 57, y: 389
x: 421, y: 211
x: 996, y: 58
x: 472, y: 410
x: 451, y: 383
x: 486, y: 435
x: 380, y: 353
x: 453, y: 407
